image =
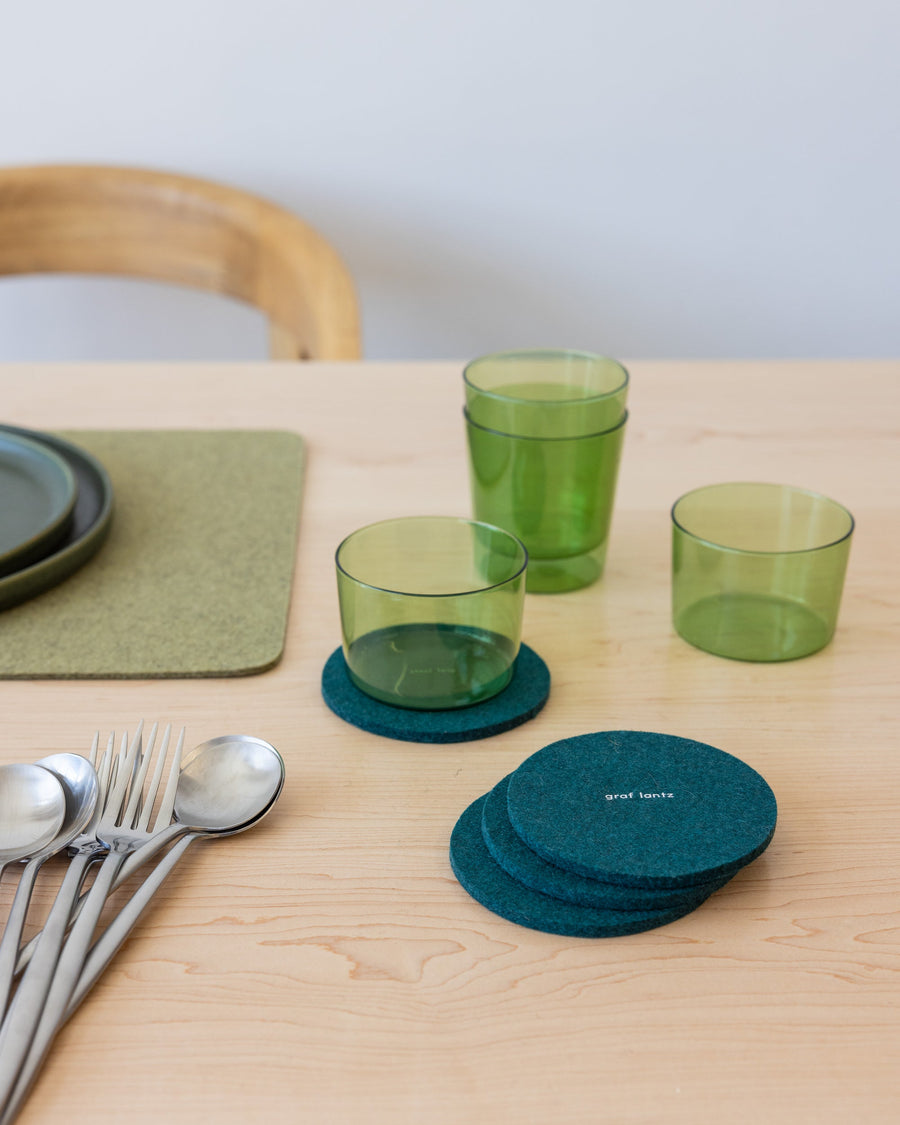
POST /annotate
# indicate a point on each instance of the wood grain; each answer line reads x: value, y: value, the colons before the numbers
x: 135, y: 222
x: 328, y: 968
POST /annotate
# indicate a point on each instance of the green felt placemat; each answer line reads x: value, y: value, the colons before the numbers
x: 195, y: 577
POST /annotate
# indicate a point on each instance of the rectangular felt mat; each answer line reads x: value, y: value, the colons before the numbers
x: 195, y: 577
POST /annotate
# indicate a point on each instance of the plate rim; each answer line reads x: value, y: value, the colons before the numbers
x: 54, y: 529
x: 54, y: 568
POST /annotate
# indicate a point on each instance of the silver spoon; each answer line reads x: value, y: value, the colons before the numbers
x: 77, y: 781
x: 226, y: 785
x: 32, y: 808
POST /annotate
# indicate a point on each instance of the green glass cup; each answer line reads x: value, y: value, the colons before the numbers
x: 555, y: 494
x: 758, y: 569
x: 546, y: 393
x: 431, y: 610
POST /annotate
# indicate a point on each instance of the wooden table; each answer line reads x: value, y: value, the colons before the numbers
x: 328, y: 968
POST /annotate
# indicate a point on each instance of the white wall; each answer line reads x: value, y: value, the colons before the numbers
x: 643, y: 178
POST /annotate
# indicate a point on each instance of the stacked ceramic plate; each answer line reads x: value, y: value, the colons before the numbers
x: 612, y: 833
x: 55, y: 509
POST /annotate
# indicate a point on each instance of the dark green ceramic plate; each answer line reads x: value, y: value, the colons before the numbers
x: 37, y: 498
x: 87, y: 528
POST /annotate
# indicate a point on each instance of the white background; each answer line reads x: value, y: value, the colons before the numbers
x: 643, y: 178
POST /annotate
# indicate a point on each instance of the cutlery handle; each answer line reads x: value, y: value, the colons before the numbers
x: 12, y: 933
x: 108, y: 944
x: 64, y: 978
x: 21, y: 1019
x: 67, y: 997
x: 134, y: 862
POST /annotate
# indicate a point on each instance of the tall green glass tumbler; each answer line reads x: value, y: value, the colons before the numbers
x: 431, y: 610
x: 555, y: 494
x: 758, y: 569
x: 545, y: 430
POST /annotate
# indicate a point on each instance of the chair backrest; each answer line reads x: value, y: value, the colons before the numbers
x: 157, y: 225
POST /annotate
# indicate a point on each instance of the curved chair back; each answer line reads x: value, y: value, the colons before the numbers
x: 165, y: 227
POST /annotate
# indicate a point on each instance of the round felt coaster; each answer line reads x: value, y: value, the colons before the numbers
x: 640, y: 809
x: 525, y: 866
x: 490, y: 885
x: 520, y: 700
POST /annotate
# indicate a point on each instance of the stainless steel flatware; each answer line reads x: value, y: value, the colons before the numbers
x: 80, y: 787
x: 227, y: 785
x: 20, y: 1020
x: 46, y: 986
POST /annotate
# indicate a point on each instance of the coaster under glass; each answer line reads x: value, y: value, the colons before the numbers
x: 519, y: 701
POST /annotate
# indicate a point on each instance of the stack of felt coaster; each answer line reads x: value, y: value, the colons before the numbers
x: 612, y: 833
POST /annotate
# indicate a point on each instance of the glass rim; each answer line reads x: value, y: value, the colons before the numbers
x: 532, y: 353
x: 529, y: 437
x: 436, y: 519
x: 755, y: 550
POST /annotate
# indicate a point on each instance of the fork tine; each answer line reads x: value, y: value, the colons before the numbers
x: 153, y: 786
x: 115, y: 758
x: 104, y: 769
x: 106, y: 779
x: 167, y: 804
x: 137, y: 758
x: 128, y: 759
x: 125, y: 763
x: 136, y: 796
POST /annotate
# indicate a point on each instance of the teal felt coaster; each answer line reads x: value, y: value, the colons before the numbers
x: 490, y: 885
x: 640, y: 809
x: 509, y: 850
x: 520, y: 700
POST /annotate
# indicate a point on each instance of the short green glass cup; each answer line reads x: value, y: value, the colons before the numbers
x: 555, y: 494
x: 758, y: 569
x: 546, y: 393
x: 431, y: 610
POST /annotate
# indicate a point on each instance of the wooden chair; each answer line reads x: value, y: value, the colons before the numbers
x: 166, y: 227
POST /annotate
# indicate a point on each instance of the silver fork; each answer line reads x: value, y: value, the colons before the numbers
x: 122, y: 829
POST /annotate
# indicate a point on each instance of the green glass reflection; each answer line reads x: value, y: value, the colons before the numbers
x: 555, y: 494
x: 758, y: 569
x: 431, y: 610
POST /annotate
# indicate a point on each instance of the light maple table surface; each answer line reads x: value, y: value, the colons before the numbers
x: 328, y: 968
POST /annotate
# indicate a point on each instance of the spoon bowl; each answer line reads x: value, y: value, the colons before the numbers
x: 32, y: 810
x: 81, y: 788
x: 227, y: 784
